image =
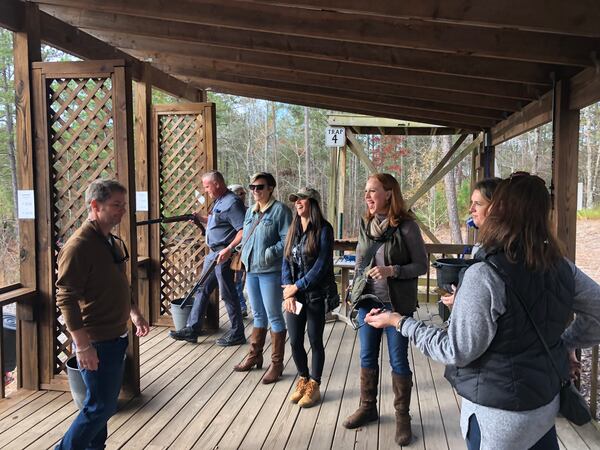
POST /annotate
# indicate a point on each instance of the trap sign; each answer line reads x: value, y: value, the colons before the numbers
x: 335, y: 136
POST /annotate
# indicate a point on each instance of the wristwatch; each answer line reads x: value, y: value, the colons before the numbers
x: 400, y: 323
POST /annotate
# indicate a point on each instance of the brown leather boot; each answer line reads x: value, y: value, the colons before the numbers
x: 299, y: 392
x: 402, y: 386
x: 255, y: 355
x: 367, y: 409
x: 277, y: 348
x: 312, y: 395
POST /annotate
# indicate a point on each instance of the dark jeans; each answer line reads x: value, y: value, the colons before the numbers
x: 370, y: 344
x: 313, y: 315
x: 222, y: 276
x: 239, y: 288
x: 88, y: 430
x: 548, y: 441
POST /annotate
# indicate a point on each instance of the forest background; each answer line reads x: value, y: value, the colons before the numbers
x: 289, y: 141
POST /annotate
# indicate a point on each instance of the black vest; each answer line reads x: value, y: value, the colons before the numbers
x: 515, y: 372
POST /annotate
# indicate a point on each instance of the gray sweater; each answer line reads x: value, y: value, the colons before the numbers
x: 479, y: 303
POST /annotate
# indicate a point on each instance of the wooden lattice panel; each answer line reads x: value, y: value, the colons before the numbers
x: 81, y: 143
x: 182, y: 160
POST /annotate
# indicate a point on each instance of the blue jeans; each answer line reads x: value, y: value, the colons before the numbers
x: 548, y: 441
x: 239, y: 288
x: 266, y: 296
x: 222, y: 276
x: 88, y: 430
x: 370, y: 343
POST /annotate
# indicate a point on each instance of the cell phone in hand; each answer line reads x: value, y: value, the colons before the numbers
x: 297, y: 307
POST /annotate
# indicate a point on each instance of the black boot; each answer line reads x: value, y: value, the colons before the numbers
x: 185, y: 334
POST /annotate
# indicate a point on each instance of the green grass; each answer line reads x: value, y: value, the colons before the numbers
x: 593, y: 213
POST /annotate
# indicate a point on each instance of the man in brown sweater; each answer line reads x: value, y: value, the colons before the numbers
x: 94, y: 297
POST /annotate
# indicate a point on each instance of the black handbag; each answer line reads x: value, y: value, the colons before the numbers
x: 573, y: 406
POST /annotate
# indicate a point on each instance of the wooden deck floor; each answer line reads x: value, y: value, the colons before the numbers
x: 191, y: 398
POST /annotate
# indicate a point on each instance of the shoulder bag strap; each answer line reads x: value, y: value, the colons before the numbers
x: 504, y: 278
x: 260, y: 216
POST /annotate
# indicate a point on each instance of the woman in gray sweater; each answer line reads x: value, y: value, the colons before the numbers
x: 496, y: 360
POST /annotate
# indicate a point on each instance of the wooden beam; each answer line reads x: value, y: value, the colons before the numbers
x: 27, y: 49
x: 535, y: 114
x: 503, y: 43
x: 406, y: 131
x: 584, y: 88
x: 308, y: 71
x: 564, y: 169
x: 447, y: 156
x: 356, y: 147
x: 432, y: 237
x: 553, y: 16
x: 244, y: 48
x: 76, y: 42
x: 433, y: 179
x: 345, y: 104
x: 294, y: 81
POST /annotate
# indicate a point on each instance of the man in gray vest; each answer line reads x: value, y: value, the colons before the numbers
x: 224, y: 226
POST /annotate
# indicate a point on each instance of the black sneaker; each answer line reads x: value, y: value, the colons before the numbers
x: 185, y: 334
x: 230, y: 340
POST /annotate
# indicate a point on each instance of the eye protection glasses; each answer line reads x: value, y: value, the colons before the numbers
x: 121, y: 256
x: 256, y: 187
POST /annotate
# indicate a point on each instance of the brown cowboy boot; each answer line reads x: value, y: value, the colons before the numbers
x: 277, y: 348
x: 367, y: 409
x: 402, y: 386
x: 255, y: 355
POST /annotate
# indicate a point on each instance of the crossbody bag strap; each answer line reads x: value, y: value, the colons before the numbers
x: 504, y: 278
x: 260, y: 216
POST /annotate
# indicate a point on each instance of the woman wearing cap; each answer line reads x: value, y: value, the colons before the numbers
x: 308, y: 279
x: 495, y: 358
x: 390, y: 255
x: 265, y: 228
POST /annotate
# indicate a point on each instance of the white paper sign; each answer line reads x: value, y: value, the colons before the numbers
x: 26, y: 204
x: 141, y: 201
x: 335, y: 136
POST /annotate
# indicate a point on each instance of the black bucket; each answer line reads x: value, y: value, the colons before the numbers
x: 448, y: 270
x: 9, y: 334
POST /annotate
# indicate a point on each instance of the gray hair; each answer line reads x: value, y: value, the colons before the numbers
x: 236, y: 187
x: 214, y: 175
x: 101, y: 190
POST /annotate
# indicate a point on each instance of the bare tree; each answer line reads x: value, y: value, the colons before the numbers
x: 450, y: 189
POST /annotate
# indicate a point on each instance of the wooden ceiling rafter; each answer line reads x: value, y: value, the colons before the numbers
x: 570, y: 18
x: 104, y: 25
x: 289, y: 79
x: 343, y: 104
x: 505, y: 43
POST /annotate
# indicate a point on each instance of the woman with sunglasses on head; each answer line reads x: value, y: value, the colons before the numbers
x: 265, y: 228
x: 498, y: 361
x: 308, y: 280
x: 390, y: 256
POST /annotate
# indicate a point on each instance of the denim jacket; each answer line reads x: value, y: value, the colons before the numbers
x: 262, y: 252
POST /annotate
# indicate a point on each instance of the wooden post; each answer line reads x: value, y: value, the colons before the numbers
x: 210, y: 125
x: 27, y: 49
x: 564, y: 168
x: 125, y: 173
x: 332, y: 204
x: 142, y: 104
x: 341, y: 190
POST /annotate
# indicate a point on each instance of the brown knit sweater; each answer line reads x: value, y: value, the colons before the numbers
x: 93, y: 291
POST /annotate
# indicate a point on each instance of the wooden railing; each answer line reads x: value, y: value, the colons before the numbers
x: 8, y: 295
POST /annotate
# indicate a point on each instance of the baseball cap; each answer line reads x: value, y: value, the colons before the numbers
x: 305, y: 192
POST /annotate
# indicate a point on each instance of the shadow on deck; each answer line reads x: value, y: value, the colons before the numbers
x: 191, y: 398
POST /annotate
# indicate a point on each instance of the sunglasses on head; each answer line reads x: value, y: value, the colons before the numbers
x: 256, y: 187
